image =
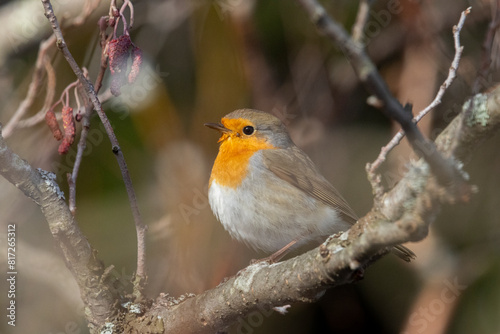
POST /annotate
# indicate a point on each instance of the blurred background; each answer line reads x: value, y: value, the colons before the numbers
x: 203, y: 59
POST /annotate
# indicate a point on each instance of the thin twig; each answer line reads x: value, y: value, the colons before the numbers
x: 452, y: 73
x: 77, y: 99
x: 16, y: 121
x: 104, y: 39
x: 443, y: 169
x: 32, y: 90
x: 88, y: 8
x: 127, y: 27
x: 124, y: 23
x: 486, y: 54
x: 89, y: 89
x: 361, y: 19
x: 131, y: 8
x: 51, y: 86
x: 82, y: 144
x: 64, y: 99
x: 50, y: 91
x: 65, y: 93
x: 113, y: 9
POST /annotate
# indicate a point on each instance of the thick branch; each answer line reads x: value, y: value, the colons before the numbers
x: 261, y: 287
x: 79, y: 255
x: 339, y: 260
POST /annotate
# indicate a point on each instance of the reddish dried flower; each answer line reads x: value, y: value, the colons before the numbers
x: 69, y: 130
x: 118, y: 53
x: 50, y: 119
x: 65, y: 145
x: 136, y: 64
x: 68, y: 121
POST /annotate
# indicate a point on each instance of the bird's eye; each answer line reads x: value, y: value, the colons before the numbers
x: 248, y: 130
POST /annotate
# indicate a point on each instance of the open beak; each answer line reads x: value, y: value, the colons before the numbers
x: 217, y: 126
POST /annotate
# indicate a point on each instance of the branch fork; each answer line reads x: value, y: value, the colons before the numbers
x: 92, y: 96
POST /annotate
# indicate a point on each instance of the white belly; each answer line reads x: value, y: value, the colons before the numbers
x: 268, y: 215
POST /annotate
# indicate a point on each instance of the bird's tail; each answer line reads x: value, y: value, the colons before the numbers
x: 403, y: 253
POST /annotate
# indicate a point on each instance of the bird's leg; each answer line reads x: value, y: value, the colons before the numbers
x: 273, y: 258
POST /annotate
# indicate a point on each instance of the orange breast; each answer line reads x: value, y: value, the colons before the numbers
x: 231, y: 165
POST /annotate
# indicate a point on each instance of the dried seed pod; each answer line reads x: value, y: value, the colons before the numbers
x: 69, y: 130
x: 136, y: 64
x: 50, y: 119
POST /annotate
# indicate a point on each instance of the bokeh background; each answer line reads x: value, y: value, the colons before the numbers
x: 204, y: 59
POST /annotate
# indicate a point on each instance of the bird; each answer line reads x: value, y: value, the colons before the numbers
x: 268, y: 193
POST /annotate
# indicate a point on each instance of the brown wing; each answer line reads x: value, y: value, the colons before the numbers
x: 294, y: 166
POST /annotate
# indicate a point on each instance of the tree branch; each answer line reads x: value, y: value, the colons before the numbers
x: 408, y: 210
x: 361, y: 19
x: 403, y: 214
x: 487, y: 55
x: 97, y: 295
x: 15, y: 121
x: 367, y: 73
x: 452, y: 73
x: 92, y: 95
x: 34, y: 86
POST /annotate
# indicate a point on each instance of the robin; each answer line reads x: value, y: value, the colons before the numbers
x: 268, y: 193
